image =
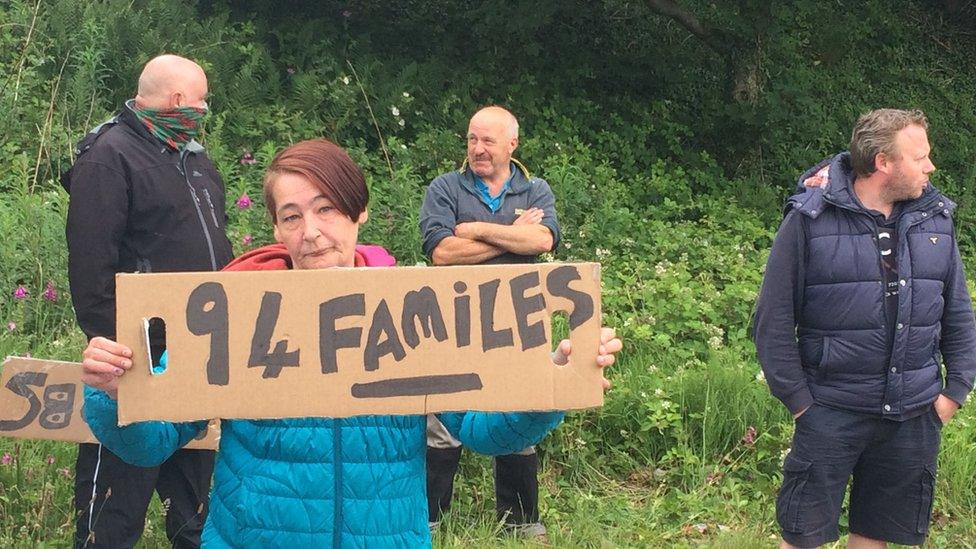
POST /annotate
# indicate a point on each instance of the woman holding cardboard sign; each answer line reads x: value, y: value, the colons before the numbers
x: 312, y: 481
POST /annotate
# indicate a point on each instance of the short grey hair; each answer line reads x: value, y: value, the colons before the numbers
x: 874, y: 134
x: 513, y: 126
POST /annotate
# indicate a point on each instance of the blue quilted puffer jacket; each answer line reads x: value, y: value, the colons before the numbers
x: 315, y: 482
x: 311, y: 482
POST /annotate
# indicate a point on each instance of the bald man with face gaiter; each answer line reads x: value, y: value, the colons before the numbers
x: 144, y: 197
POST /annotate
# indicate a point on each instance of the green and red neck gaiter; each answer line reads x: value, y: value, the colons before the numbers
x: 175, y: 127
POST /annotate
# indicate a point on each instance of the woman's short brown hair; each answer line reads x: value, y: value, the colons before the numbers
x: 328, y: 167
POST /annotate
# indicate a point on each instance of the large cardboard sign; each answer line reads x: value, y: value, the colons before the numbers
x: 44, y: 399
x: 343, y: 342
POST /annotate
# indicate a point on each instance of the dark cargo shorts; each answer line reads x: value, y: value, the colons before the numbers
x: 893, y: 464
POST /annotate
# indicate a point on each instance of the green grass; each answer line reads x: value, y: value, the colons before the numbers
x: 687, y: 480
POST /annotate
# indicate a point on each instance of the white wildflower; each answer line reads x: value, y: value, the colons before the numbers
x: 395, y: 110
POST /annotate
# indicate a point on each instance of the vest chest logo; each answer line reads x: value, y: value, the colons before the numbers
x: 934, y: 240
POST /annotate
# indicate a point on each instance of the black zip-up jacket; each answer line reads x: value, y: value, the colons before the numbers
x: 138, y: 205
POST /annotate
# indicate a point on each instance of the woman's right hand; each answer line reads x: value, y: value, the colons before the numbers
x: 103, y: 363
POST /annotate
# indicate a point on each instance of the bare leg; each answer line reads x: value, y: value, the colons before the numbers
x: 856, y: 541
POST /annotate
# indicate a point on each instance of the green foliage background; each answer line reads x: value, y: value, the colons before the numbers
x: 669, y: 167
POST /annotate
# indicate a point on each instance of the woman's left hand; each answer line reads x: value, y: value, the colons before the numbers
x: 610, y: 345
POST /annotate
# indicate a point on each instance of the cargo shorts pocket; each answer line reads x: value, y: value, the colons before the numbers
x: 789, y: 503
x: 926, y: 498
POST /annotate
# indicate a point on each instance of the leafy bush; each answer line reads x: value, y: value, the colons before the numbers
x: 661, y: 174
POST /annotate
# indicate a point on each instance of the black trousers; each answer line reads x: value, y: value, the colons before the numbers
x: 516, y: 485
x: 112, y: 497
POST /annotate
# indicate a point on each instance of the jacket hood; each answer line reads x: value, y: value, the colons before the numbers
x: 275, y: 258
x: 839, y: 191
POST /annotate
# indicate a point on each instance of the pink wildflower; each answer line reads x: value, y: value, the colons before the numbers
x: 244, y: 202
x: 750, y: 437
x: 11, y: 326
x: 247, y: 239
x: 6, y: 459
x: 50, y: 460
x: 65, y: 472
x: 290, y: 70
x: 50, y: 292
x: 247, y: 159
x: 20, y: 292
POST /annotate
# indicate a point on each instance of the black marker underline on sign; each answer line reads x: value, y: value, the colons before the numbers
x: 418, y: 386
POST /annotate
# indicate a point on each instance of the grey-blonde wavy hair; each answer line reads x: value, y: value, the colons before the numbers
x: 874, y: 134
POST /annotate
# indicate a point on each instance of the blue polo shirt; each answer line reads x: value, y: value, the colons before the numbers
x: 484, y: 193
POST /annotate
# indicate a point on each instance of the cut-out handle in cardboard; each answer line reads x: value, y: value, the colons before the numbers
x: 154, y: 331
x: 558, y: 331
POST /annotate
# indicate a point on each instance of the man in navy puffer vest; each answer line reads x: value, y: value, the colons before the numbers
x: 863, y: 298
